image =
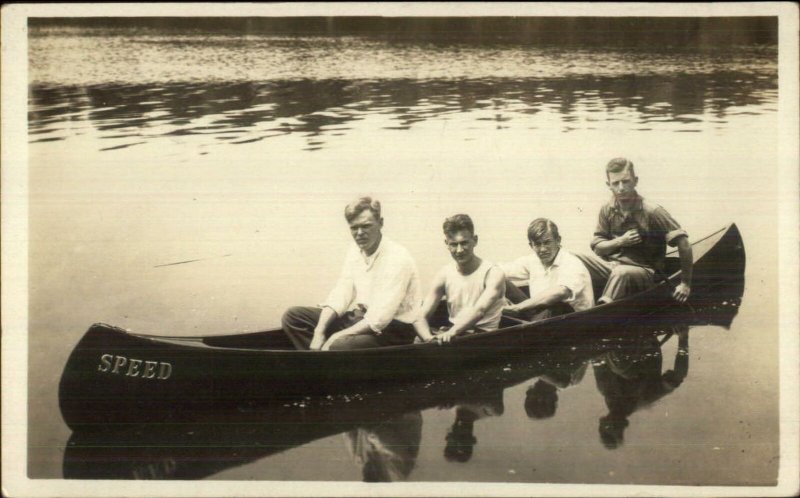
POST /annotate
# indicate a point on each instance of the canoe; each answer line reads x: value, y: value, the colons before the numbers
x: 214, y: 441
x: 116, y: 376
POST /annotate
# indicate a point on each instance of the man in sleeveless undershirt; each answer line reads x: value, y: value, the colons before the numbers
x: 473, y: 288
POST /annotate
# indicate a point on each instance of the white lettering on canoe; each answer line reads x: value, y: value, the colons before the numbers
x: 105, y: 362
x: 164, y: 371
x: 161, y: 370
x: 149, y: 369
x: 133, y: 369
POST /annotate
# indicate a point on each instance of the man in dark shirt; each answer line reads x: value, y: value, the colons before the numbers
x: 631, y: 238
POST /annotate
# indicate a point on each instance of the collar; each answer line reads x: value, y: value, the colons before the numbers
x: 556, y: 261
x: 638, y: 204
x: 369, y: 260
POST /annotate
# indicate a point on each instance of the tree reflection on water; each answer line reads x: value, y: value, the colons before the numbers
x: 245, y: 112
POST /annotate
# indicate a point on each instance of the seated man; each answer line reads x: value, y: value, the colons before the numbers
x: 376, y: 298
x: 631, y: 239
x: 558, y: 282
x: 474, y: 288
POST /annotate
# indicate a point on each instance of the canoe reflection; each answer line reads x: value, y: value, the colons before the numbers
x: 382, y: 430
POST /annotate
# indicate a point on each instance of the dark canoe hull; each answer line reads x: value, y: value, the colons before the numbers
x: 216, y: 440
x: 114, y: 376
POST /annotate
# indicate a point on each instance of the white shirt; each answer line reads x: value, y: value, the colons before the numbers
x: 386, y: 284
x: 566, y: 270
x: 463, y: 291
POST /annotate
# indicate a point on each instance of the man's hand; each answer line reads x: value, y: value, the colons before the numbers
x: 630, y: 238
x: 681, y: 293
x: 335, y: 337
x: 316, y: 342
x: 331, y: 340
x: 445, y: 337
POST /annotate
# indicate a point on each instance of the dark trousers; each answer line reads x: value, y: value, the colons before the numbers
x: 299, y: 323
x: 550, y: 311
x: 621, y: 279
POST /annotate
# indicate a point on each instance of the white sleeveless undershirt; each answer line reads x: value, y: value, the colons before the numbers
x: 463, y: 292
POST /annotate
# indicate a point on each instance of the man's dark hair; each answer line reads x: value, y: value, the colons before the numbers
x: 619, y: 164
x: 360, y: 205
x: 541, y: 227
x: 456, y: 223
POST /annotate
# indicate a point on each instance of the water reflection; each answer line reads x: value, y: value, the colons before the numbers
x: 460, y: 438
x: 386, y: 451
x: 382, y: 430
x: 246, y: 112
x: 630, y: 379
x: 541, y: 399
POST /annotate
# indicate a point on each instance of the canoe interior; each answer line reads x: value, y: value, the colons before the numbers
x: 275, y: 340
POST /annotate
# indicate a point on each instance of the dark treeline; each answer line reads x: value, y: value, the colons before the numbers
x: 697, y: 32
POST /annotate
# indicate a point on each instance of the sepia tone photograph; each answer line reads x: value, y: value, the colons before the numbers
x: 445, y: 249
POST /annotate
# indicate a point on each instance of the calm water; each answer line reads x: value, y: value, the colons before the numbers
x: 150, y: 147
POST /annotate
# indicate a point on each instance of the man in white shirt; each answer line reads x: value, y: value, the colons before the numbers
x: 376, y: 298
x: 558, y: 281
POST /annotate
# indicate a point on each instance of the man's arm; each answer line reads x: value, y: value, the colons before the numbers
x: 389, y: 289
x: 604, y: 243
x: 495, y: 289
x: 325, y: 318
x: 553, y: 295
x: 430, y: 304
x: 608, y: 247
x: 683, y: 289
x: 676, y: 236
x: 360, y: 327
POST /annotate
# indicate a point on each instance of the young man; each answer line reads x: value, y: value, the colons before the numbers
x: 631, y: 238
x: 376, y: 298
x: 474, y: 288
x: 558, y: 282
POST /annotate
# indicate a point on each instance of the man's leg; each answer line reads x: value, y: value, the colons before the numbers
x: 599, y: 270
x: 513, y: 293
x: 395, y: 334
x: 626, y: 280
x: 299, y: 323
x: 551, y: 311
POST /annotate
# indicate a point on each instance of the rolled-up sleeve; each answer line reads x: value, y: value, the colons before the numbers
x: 389, y: 290
x: 516, y: 270
x: 571, y: 277
x: 602, y: 232
x: 665, y: 222
x: 342, y: 295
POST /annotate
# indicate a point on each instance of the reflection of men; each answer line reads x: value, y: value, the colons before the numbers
x: 460, y: 438
x: 632, y: 381
x: 375, y: 299
x: 387, y: 451
x: 631, y: 237
x: 558, y: 282
x: 541, y: 399
x: 473, y: 288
